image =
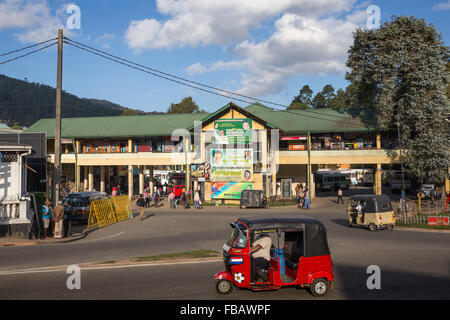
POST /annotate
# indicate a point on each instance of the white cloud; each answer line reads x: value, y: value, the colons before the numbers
x: 442, y: 6
x: 33, y: 18
x: 298, y: 46
x: 203, y: 22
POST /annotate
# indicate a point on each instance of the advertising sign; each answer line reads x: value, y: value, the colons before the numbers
x: 232, y: 165
x: 200, y: 171
x: 229, y: 190
x: 297, y: 147
x: 233, y: 131
x: 438, y: 221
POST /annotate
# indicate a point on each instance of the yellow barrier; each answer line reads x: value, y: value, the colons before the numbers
x: 101, y: 213
x: 123, y: 208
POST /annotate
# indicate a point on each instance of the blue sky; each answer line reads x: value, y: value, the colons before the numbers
x: 262, y: 49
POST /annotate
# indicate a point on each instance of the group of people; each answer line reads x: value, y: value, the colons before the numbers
x: 303, y: 196
x: 185, y: 199
x: 57, y: 221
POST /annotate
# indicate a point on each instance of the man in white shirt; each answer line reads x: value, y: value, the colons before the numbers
x: 260, y: 254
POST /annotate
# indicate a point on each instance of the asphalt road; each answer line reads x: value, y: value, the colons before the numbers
x: 414, y: 265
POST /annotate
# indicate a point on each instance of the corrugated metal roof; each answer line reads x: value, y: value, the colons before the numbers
x: 288, y: 121
x: 117, y: 127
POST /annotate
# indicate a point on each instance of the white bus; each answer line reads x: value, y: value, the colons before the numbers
x: 368, y: 177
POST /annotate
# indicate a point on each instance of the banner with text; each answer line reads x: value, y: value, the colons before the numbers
x: 232, y: 165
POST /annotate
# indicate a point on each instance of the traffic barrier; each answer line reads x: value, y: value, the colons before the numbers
x: 122, y: 207
x: 101, y: 213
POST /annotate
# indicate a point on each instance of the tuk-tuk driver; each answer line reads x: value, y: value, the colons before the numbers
x: 260, y: 253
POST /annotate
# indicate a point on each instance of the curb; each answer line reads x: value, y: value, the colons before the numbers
x: 36, y: 242
x: 421, y: 229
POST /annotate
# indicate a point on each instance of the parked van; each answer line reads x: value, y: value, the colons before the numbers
x: 327, y: 181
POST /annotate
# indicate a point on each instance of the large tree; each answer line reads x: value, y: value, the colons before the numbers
x: 399, y: 71
x: 187, y: 105
x: 303, y: 100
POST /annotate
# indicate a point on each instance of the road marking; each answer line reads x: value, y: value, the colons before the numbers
x: 63, y: 268
x: 109, y: 237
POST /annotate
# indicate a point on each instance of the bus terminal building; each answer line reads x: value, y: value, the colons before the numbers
x: 221, y: 153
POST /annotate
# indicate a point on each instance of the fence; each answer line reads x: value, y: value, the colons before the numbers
x: 108, y: 211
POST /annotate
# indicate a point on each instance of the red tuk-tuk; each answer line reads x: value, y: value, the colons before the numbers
x: 299, y: 255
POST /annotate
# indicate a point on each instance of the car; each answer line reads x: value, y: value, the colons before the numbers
x: 80, y: 203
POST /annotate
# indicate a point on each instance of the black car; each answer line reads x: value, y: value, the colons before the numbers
x: 80, y: 202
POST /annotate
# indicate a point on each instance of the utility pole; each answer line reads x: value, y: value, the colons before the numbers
x: 57, y: 170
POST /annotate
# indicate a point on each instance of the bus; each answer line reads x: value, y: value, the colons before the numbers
x: 327, y: 181
x: 396, y: 181
x: 353, y: 174
x: 368, y: 177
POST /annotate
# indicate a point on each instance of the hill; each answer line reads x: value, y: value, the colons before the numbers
x: 23, y: 103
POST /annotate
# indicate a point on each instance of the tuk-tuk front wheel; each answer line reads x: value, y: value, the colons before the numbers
x: 319, y: 287
x: 224, y: 286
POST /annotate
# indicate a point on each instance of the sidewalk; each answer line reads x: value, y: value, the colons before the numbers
x: 12, y: 242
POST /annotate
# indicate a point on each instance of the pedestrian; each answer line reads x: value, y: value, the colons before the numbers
x: 197, y: 200
x: 448, y: 200
x: 46, y: 217
x: 147, y: 197
x: 68, y: 212
x: 303, y: 197
x: 183, y: 199
x: 402, y: 199
x: 165, y: 189
x: 172, y: 199
x: 59, y: 216
x: 156, y: 198
x: 307, y: 199
x: 114, y: 191
x: 118, y: 190
x: 141, y: 204
x: 340, y: 196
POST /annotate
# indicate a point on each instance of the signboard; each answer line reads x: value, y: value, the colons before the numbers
x: 229, y: 190
x: 200, y: 171
x: 297, y: 147
x: 233, y: 131
x: 232, y: 165
x: 438, y: 221
x: 286, y: 188
x: 293, y: 138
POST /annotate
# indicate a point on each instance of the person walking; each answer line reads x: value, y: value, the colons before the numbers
x: 340, y: 196
x: 197, y: 200
x: 171, y: 200
x: 68, y: 211
x: 141, y: 204
x: 147, y: 197
x: 59, y: 216
x: 46, y: 216
x: 156, y: 198
x: 307, y: 199
x: 114, y: 191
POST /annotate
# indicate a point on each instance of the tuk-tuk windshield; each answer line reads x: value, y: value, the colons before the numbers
x: 238, y: 238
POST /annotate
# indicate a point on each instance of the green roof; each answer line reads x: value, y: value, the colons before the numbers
x: 117, y: 127
x: 288, y: 121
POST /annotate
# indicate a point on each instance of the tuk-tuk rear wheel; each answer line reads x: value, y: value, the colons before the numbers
x: 319, y: 287
x: 372, y: 227
x: 224, y: 286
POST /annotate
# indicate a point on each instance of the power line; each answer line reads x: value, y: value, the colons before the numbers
x: 27, y: 54
x: 34, y: 45
x: 140, y: 68
x: 155, y: 74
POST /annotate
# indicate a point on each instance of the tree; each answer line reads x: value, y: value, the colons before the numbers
x: 324, y: 98
x: 399, y: 71
x: 187, y: 105
x: 303, y: 100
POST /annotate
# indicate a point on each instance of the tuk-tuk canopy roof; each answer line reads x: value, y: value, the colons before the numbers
x: 370, y: 197
x: 374, y: 203
x: 315, y: 234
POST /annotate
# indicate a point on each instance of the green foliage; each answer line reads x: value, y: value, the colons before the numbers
x: 187, y: 105
x: 303, y: 100
x: 400, y: 72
